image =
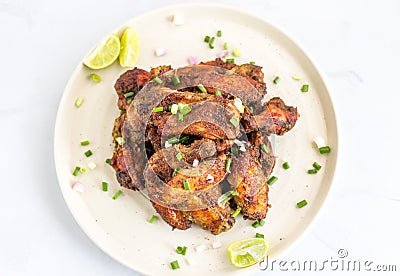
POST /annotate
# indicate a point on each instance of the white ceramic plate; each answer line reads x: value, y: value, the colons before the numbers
x: 120, y: 227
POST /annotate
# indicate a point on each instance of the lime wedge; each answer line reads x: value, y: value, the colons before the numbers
x: 104, y: 54
x: 247, y: 252
x: 130, y: 47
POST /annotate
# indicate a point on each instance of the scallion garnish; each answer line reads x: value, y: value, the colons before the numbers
x: 122, y: 111
x: 219, y: 33
x: 176, y: 80
x: 174, y: 265
x: 234, y: 122
x: 158, y: 109
x: 317, y: 166
x: 104, y: 186
x: 302, y: 203
x: 95, y: 77
x: 230, y: 60
x: 313, y: 171
x: 207, y: 38
x: 88, y: 153
x: 218, y: 92
x: 173, y: 140
x: 286, y: 165
x: 324, y: 150
x: 186, y: 185
x: 276, y: 79
x: 119, y: 140
x: 158, y: 80
x: 261, y: 222
x: 228, y: 164
x: 296, y: 78
x: 129, y: 94
x: 235, y: 151
x: 181, y: 250
x: 272, y: 180
x: 236, y: 52
x: 185, y: 110
x: 223, y: 199
x: 202, y: 88
x: 76, y: 171
x: 258, y: 235
x: 176, y: 170
x: 184, y: 139
x: 226, y: 46
x: 180, y: 117
x: 108, y: 161
x: 304, y: 88
x: 153, y: 219
x: 179, y: 156
x: 211, y: 43
x: 237, y: 212
x: 128, y: 101
x: 117, y: 194
x: 85, y: 143
x: 251, y: 109
x: 252, y: 62
x: 79, y: 101
x: 264, y: 148
x: 255, y: 224
x: 83, y: 170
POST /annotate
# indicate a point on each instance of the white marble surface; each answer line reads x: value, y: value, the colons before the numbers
x: 357, y: 45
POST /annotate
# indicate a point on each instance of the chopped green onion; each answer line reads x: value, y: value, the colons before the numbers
x: 95, y: 77
x: 296, y: 78
x: 237, y: 212
x: 181, y: 250
x: 313, y: 171
x: 234, y: 122
x: 180, y: 117
x: 207, y: 38
x: 79, y: 101
x: 174, y: 265
x: 76, y: 171
x: 231, y: 60
x: 85, y: 143
x: 117, y: 194
x: 228, y: 164
x: 179, y: 156
x: 226, y: 46
x: 264, y: 148
x: 302, y: 203
x: 317, y: 166
x: 236, y: 52
x: 123, y: 111
x: 153, y: 219
x: 185, y: 110
x: 174, y: 109
x: 304, y: 88
x: 108, y: 161
x: 218, y: 92
x: 104, y: 186
x: 277, y: 79
x: 83, y: 170
x: 158, y: 80
x: 169, y: 108
x: 211, y: 42
x: 255, y: 224
x: 176, y: 170
x: 286, y: 165
x: 272, y: 180
x: 186, y: 185
x: 252, y: 62
x: 325, y: 149
x: 120, y: 140
x: 88, y: 153
x: 173, y: 140
x: 219, y: 33
x: 202, y: 88
x: 261, y: 222
x: 223, y: 199
x: 258, y: 235
x: 184, y: 139
x: 176, y: 80
x: 235, y: 151
x: 158, y: 109
x: 129, y: 94
x: 128, y: 101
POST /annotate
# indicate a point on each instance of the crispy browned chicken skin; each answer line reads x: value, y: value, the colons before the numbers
x: 209, y: 139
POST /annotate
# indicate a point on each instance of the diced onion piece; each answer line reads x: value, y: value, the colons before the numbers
x: 200, y: 248
x: 238, y: 104
x: 178, y: 20
x: 238, y: 142
x: 319, y: 142
x: 160, y: 52
x: 91, y: 165
x: 78, y: 102
x: 242, y: 148
x: 195, y: 163
x: 174, y: 109
x: 167, y: 144
x: 264, y: 100
x: 192, y: 60
x: 78, y: 187
x: 190, y: 261
x: 216, y: 244
x: 223, y: 54
x: 210, y: 178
